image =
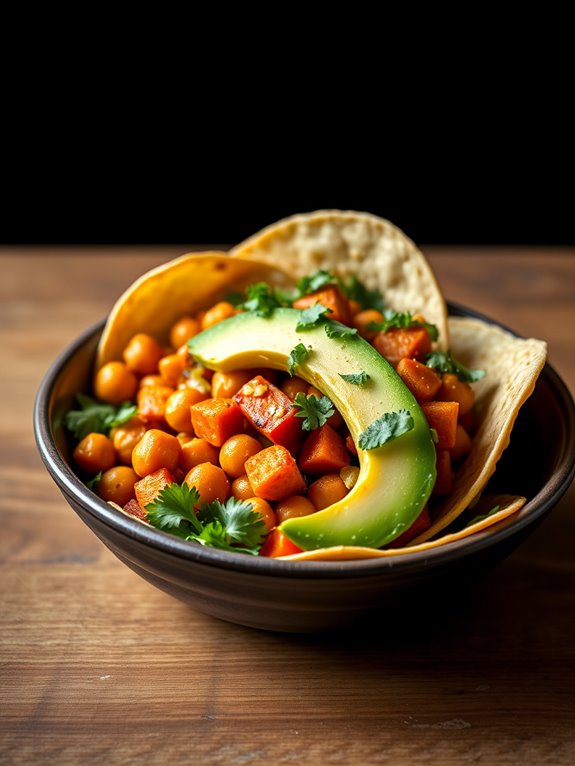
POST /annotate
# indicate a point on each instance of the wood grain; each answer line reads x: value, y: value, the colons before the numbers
x: 96, y: 666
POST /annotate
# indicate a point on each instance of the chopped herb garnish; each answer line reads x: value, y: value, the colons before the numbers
x: 315, y: 410
x: 312, y: 316
x: 261, y: 299
x: 356, y: 378
x: 310, y: 284
x: 445, y: 363
x: 94, y: 481
x: 94, y: 417
x: 385, y: 429
x: 335, y: 329
x: 483, y: 516
x: 357, y: 291
x: 402, y: 320
x: 297, y: 356
x: 231, y: 526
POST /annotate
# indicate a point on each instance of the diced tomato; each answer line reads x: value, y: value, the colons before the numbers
x: 332, y: 298
x: 148, y: 488
x: 134, y: 508
x: 277, y: 544
x: 323, y: 451
x: 270, y: 411
x: 395, y: 344
x: 215, y: 420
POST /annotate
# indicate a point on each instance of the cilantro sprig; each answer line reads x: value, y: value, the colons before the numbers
x: 261, y: 299
x: 314, y: 410
x: 385, y: 429
x: 230, y: 526
x: 444, y: 363
x: 312, y: 316
x: 402, y: 320
x: 94, y: 417
x: 297, y: 355
x: 355, y: 378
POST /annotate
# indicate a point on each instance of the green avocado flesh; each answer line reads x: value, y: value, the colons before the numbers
x: 395, y: 480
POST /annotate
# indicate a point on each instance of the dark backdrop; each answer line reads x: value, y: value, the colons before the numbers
x: 218, y: 201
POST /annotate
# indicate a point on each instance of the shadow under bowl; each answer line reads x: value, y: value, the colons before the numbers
x: 312, y: 596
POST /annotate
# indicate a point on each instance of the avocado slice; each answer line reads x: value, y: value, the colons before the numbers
x: 395, y: 480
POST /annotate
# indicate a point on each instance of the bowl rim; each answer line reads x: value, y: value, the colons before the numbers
x: 73, y: 488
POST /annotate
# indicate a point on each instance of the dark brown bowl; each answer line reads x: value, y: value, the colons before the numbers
x: 312, y: 596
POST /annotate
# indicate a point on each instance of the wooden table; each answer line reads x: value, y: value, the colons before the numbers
x: 98, y: 667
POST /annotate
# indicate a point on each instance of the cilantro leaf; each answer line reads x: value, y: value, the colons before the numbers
x: 297, y: 355
x: 357, y: 291
x: 385, y: 429
x: 402, y: 320
x: 94, y: 481
x: 482, y: 516
x: 313, y: 282
x: 356, y: 378
x: 335, y: 329
x: 174, y: 509
x: 232, y: 524
x: 315, y: 410
x: 445, y: 363
x: 312, y: 316
x: 94, y: 417
x: 261, y: 299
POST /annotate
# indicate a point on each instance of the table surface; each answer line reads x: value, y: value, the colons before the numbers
x: 97, y: 666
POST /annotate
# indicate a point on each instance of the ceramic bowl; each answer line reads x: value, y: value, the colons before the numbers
x: 312, y: 596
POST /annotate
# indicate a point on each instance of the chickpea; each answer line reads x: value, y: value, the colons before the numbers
x: 184, y: 329
x: 196, y: 451
x: 115, y: 383
x: 156, y: 449
x: 267, y: 513
x: 210, y: 482
x: 171, y: 368
x: 117, y: 484
x: 218, y: 312
x: 143, y: 353
x: 177, y: 410
x: 235, y: 451
x: 151, y: 381
x: 241, y: 488
x: 95, y: 453
x: 125, y: 437
x: 363, y: 318
x: 291, y: 507
x: 294, y: 386
x: 326, y: 491
x: 226, y: 384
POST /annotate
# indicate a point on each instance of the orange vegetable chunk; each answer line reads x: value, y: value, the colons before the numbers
x: 444, y: 481
x: 395, y: 344
x: 148, y: 488
x: 277, y: 544
x: 270, y: 411
x: 442, y: 416
x: 422, y: 381
x: 152, y: 403
x: 273, y: 473
x: 332, y: 298
x: 215, y: 420
x: 323, y: 451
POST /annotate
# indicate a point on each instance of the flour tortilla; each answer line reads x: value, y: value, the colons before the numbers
x: 349, y: 243
x: 181, y: 286
x: 512, y: 366
x: 508, y: 505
